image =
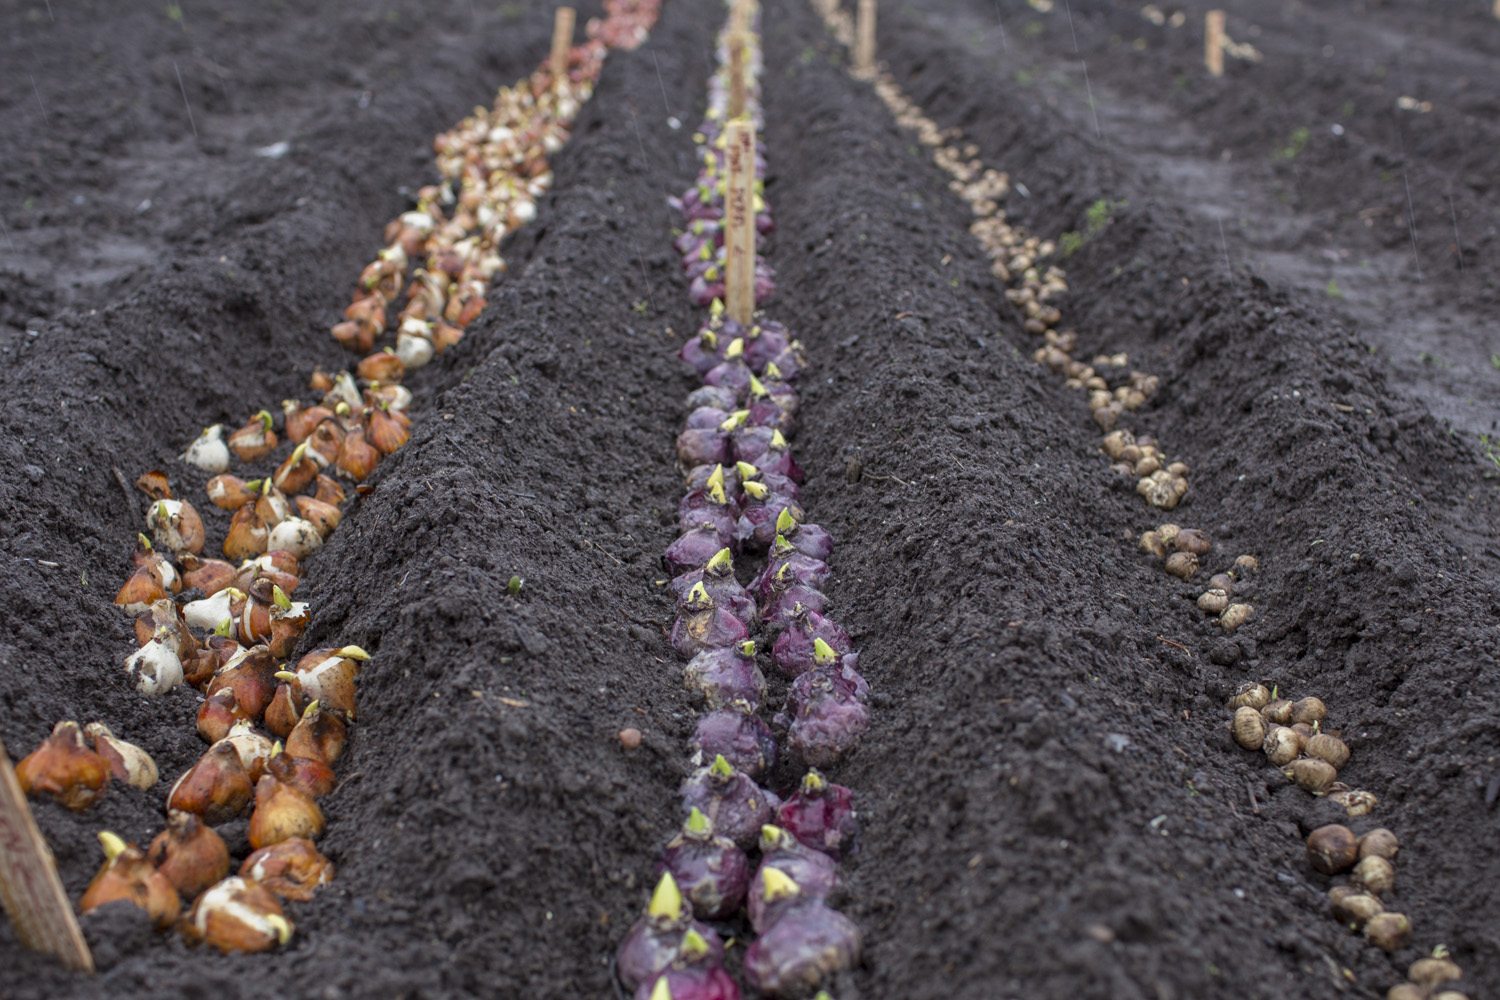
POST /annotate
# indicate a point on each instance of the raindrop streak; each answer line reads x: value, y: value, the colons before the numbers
x: 664, y: 102
x: 1087, y: 86
x: 185, y: 103
x: 1225, y: 244
x: 49, y: 10
x: 639, y: 259
x: 1411, y: 224
x: 38, y: 94
x: 6, y: 230
x: 1458, y: 247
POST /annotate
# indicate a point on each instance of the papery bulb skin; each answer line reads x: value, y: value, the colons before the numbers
x: 756, y: 529
x: 815, y: 874
x: 696, y: 982
x: 827, y: 728
x: 767, y: 340
x: 732, y: 801
x: 127, y: 876
x: 189, y: 853
x: 64, y: 767
x: 821, y: 816
x: 292, y: 868
x: 706, y: 418
x: 237, y: 915
x: 792, y: 652
x: 702, y: 446
x: 788, y: 603
x: 702, y: 625
x: 732, y: 374
x: 716, y: 396
x: 802, y: 947
x: 737, y: 734
x: 711, y: 871
x: 787, y: 570
x: 693, y: 549
x: 656, y: 939
x: 216, y: 788
x: 717, y: 578
x: 723, y: 676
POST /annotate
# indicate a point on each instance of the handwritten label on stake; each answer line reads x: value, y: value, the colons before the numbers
x: 739, y: 216
x: 562, y: 42
x: 29, y: 887
x: 1213, y: 42
x: 864, y: 50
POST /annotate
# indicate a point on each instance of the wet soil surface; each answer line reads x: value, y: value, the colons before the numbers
x: 1051, y: 803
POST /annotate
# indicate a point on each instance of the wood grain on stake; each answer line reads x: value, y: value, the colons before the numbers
x: 562, y: 41
x: 29, y: 887
x: 864, y: 50
x: 739, y: 213
x: 738, y: 46
x: 1213, y: 42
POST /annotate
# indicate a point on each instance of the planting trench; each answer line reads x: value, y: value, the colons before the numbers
x: 1050, y: 801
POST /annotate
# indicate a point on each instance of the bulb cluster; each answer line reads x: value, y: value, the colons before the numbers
x: 1292, y: 736
x: 743, y: 502
x: 1182, y: 552
x: 228, y: 626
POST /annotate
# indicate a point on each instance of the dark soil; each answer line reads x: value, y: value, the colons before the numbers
x: 1051, y: 804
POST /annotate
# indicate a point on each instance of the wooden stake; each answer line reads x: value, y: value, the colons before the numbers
x: 739, y: 74
x: 864, y: 34
x: 1213, y: 42
x: 739, y: 219
x: 742, y: 17
x: 562, y: 43
x: 29, y: 887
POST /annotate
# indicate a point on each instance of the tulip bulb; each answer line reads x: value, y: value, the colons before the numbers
x: 319, y: 734
x: 65, y: 768
x: 217, y: 787
x: 229, y: 492
x: 208, y: 450
x: 255, y: 440
x: 127, y: 875
x: 175, y: 526
x: 291, y: 868
x: 155, y: 667
x: 127, y: 762
x: 297, y: 536
x: 189, y: 853
x: 327, y: 676
x: 210, y: 613
x: 282, y: 812
x: 238, y: 915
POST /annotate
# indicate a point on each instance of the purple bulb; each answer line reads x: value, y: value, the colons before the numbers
x: 793, y: 650
x: 711, y: 872
x: 653, y: 943
x: 788, y: 570
x: 706, y: 628
x: 693, y: 983
x: 723, y: 676
x: 787, y: 603
x: 694, y: 547
x: 821, y: 816
x: 737, y: 734
x: 732, y: 801
x: 806, y: 943
x: 732, y: 375
x: 715, y: 396
x: 702, y: 446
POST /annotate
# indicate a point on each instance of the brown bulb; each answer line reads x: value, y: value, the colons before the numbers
x: 1252, y: 695
x: 127, y: 875
x: 292, y: 868
x: 1249, y: 728
x: 1352, y: 906
x: 1434, y: 971
x: 282, y: 812
x: 217, y: 787
x: 1388, y: 931
x: 1282, y: 745
x: 1325, y: 746
x: 1278, y: 711
x: 65, y: 768
x: 1309, y: 710
x: 1311, y: 775
x: 189, y: 853
x: 1332, y: 849
x: 1379, y: 843
x: 1376, y: 875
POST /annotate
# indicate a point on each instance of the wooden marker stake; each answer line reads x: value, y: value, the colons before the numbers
x: 1213, y: 42
x: 29, y: 887
x: 739, y: 74
x: 864, y: 33
x: 742, y: 17
x: 739, y: 219
x: 562, y: 43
